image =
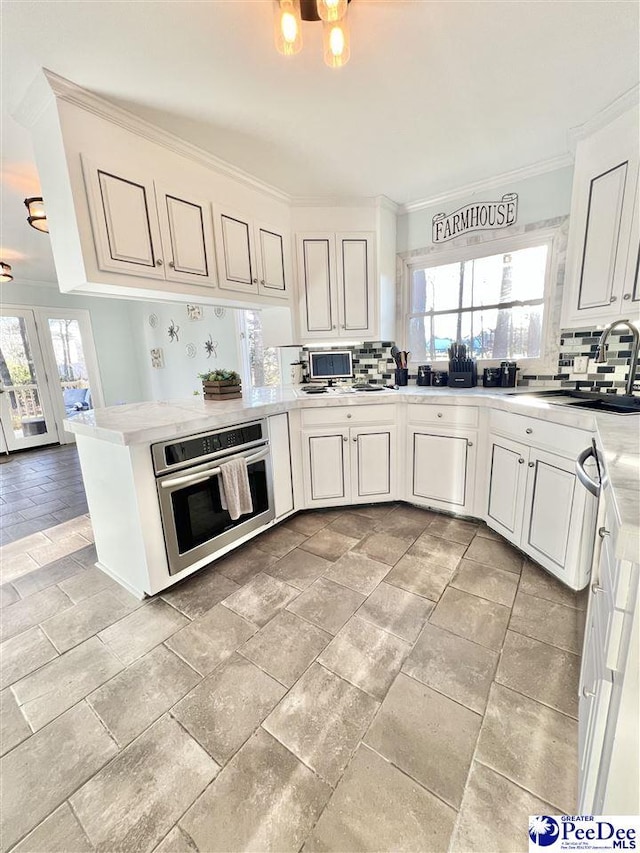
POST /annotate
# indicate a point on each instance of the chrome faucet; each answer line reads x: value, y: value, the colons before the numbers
x: 601, y: 352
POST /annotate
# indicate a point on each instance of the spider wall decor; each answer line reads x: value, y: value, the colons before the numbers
x: 173, y: 332
x: 211, y: 347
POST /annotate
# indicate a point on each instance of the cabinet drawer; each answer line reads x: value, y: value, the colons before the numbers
x: 349, y: 415
x: 538, y: 433
x: 447, y: 415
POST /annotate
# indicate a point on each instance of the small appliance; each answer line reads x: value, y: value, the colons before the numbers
x: 491, y: 377
x: 439, y: 378
x: 508, y: 370
x: 333, y: 364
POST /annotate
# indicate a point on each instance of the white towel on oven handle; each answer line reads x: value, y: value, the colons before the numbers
x: 235, y: 492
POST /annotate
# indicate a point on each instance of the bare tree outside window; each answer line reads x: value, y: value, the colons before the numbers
x: 492, y: 304
x: 263, y: 362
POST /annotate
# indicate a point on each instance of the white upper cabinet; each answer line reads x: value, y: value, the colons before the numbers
x: 602, y: 254
x: 251, y: 255
x: 187, y: 236
x: 125, y: 223
x: 337, y: 287
x: 141, y: 228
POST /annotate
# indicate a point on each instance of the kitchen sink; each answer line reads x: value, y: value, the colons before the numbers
x: 617, y: 404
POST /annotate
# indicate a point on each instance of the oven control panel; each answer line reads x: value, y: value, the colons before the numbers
x: 198, y: 448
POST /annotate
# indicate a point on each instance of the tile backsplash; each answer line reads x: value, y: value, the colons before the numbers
x: 609, y: 378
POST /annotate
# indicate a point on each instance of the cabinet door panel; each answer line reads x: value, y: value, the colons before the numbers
x: 507, y: 483
x: 187, y: 237
x: 558, y: 519
x: 326, y: 465
x: 440, y: 464
x: 281, y: 462
x: 235, y: 253
x: 271, y: 263
x: 373, y: 463
x: 602, y: 233
x: 316, y: 266
x: 354, y: 282
x: 124, y: 222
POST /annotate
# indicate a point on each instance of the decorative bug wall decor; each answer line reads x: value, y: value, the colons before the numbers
x: 173, y: 332
x: 211, y: 347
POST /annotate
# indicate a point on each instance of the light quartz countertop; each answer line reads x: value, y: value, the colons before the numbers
x: 618, y: 436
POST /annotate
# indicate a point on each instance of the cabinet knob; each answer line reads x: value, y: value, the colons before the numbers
x: 531, y: 465
x: 345, y: 438
x: 602, y: 532
x: 159, y: 262
x: 588, y: 694
x: 613, y: 299
x: 333, y: 327
x: 262, y: 281
x: 349, y: 415
x: 626, y: 296
x: 171, y: 264
x: 255, y: 280
x: 469, y: 444
x: 521, y: 461
x: 528, y: 430
x: 595, y: 589
x: 355, y: 438
x: 439, y: 414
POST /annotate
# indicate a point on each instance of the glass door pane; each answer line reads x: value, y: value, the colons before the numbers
x: 72, y: 369
x: 25, y: 406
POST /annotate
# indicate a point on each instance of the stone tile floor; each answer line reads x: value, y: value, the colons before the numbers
x: 372, y: 678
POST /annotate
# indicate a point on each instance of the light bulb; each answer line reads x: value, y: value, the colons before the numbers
x: 336, y: 43
x: 331, y: 10
x: 287, y: 29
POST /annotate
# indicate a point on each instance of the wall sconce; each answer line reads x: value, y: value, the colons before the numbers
x: 37, y: 217
x: 5, y: 272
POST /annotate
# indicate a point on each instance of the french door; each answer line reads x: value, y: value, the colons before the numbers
x: 48, y: 373
x: 26, y: 408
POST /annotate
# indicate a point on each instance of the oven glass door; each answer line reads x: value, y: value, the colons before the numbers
x: 197, y: 526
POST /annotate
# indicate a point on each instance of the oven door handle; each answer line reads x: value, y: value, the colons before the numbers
x: 203, y: 476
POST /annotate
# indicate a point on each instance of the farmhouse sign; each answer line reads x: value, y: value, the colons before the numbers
x: 479, y: 216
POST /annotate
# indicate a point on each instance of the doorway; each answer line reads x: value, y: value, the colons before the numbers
x: 48, y: 373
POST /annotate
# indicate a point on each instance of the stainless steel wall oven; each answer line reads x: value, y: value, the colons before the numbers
x: 195, y: 524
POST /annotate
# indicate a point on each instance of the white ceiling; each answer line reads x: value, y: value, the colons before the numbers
x: 437, y: 94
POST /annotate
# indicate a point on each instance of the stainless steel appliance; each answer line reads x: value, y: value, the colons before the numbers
x: 195, y: 524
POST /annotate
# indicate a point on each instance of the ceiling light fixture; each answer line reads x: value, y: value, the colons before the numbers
x: 289, y: 15
x: 37, y: 217
x: 5, y: 272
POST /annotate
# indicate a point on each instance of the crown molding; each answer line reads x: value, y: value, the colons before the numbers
x: 628, y: 99
x: 520, y: 174
x: 370, y: 201
x: 65, y: 90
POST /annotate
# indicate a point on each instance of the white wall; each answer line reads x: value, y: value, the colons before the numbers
x: 542, y: 197
x: 112, y: 333
x: 179, y: 376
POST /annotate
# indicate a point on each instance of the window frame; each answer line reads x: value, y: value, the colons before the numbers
x: 545, y: 362
x: 243, y: 351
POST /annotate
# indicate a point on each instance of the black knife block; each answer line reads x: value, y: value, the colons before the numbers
x: 463, y: 374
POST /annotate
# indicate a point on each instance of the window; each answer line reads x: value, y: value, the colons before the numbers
x: 261, y: 363
x: 493, y: 304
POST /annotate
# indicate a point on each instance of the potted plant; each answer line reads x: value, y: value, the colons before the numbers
x: 221, y: 385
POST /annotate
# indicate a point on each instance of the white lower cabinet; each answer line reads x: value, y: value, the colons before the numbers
x: 346, y: 466
x: 536, y: 502
x: 442, y: 472
x: 280, y: 443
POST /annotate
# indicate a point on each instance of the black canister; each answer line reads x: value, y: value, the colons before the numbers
x: 424, y: 375
x: 402, y: 376
x: 491, y: 377
x: 440, y: 378
x: 508, y: 370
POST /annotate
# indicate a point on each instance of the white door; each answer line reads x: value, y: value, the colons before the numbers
x: 507, y: 487
x: 235, y: 251
x: 270, y: 261
x: 124, y: 220
x: 441, y: 468
x: 187, y: 237
x: 373, y: 463
x: 326, y: 467
x: 316, y: 277
x: 554, y: 510
x: 26, y: 410
x: 354, y: 256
